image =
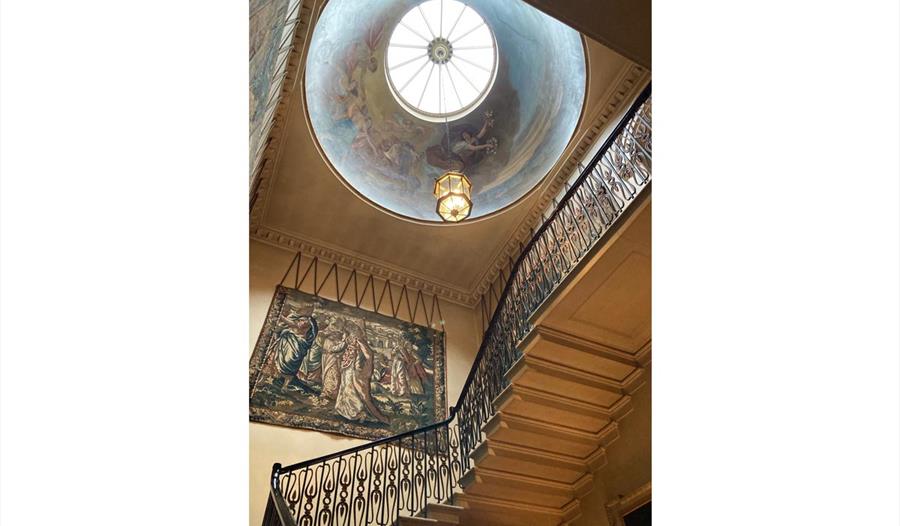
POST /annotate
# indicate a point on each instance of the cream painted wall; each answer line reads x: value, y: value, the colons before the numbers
x: 628, y: 465
x: 270, y: 444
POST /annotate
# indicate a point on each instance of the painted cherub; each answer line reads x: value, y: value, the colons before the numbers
x: 359, y: 61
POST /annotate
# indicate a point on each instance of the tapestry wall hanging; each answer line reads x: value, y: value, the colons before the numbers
x: 323, y: 365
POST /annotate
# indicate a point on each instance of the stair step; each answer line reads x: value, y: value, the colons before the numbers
x: 444, y: 513
x: 559, y: 411
x: 523, y: 488
x: 589, y: 387
x: 579, y: 353
x: 528, y: 461
x: 523, y: 432
x: 493, y: 511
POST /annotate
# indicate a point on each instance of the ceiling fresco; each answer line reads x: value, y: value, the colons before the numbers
x: 506, y: 145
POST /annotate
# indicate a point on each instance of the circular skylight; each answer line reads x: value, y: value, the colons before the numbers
x: 441, y: 60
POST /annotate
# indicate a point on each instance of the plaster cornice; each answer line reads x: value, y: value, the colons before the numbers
x: 630, y: 79
x: 377, y: 268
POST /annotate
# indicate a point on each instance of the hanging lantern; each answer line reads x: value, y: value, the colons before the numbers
x: 454, y: 196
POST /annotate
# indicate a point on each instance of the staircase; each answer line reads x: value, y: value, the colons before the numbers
x: 567, y: 392
x: 565, y: 396
x: 566, y: 348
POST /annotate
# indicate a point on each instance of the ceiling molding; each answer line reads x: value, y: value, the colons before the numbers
x: 377, y: 268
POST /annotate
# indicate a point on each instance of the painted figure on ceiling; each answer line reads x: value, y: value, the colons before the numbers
x: 467, y: 147
x: 386, y: 144
x: 359, y: 61
x: 397, y: 148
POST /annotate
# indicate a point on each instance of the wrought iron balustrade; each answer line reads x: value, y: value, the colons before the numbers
x: 377, y: 482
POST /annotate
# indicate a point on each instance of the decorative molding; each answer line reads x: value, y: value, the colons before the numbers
x: 376, y: 268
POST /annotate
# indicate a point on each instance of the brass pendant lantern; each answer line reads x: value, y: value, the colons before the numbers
x: 454, y: 196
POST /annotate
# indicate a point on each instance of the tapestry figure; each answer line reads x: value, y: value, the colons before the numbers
x: 292, y: 345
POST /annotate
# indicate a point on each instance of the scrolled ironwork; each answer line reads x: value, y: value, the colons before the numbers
x: 376, y: 483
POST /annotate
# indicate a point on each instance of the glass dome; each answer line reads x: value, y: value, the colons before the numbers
x: 441, y: 60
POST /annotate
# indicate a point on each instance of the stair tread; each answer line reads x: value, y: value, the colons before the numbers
x: 497, y: 511
x: 448, y: 507
x: 420, y: 520
x: 442, y: 514
x: 427, y: 520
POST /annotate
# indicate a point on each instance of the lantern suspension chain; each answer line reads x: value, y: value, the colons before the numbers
x: 452, y: 190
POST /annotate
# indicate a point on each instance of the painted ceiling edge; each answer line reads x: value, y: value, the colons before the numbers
x: 633, y: 78
x: 390, y: 153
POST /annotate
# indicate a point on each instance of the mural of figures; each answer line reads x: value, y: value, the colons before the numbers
x: 391, y: 157
x: 322, y: 365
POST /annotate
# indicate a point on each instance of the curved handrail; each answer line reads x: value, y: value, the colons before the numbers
x: 645, y: 94
x: 600, y: 192
x: 368, y: 445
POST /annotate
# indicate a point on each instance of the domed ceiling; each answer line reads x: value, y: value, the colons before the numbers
x: 398, y: 92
